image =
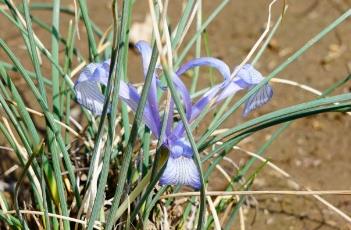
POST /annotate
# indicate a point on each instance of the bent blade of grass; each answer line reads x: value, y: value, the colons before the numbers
x: 275, y: 136
x: 282, y: 66
x: 277, y: 133
x: 55, y: 28
x: 306, y: 108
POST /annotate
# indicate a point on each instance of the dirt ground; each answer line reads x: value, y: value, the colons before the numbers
x: 315, y: 151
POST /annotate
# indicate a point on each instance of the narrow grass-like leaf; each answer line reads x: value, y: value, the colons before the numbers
x: 289, y: 60
x: 181, y: 112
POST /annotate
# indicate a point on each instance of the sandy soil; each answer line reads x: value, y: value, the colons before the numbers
x: 315, y: 151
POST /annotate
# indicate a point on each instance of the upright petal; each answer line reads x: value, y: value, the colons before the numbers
x: 145, y: 51
x: 181, y: 171
x: 185, y: 95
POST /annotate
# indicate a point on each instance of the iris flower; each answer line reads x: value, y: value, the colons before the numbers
x: 180, y: 168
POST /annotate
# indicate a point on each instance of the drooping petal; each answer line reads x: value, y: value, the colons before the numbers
x: 88, y: 90
x: 181, y: 171
x: 261, y: 97
x: 145, y: 51
x: 89, y: 94
x: 246, y: 78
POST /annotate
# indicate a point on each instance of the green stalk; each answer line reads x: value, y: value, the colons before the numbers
x: 113, y: 80
x: 55, y: 30
x: 94, y: 56
x: 197, y: 159
x: 182, y: 23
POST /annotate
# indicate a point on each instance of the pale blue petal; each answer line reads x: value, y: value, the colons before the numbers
x: 181, y: 171
x: 180, y: 147
x: 203, y: 61
x: 89, y: 94
x: 206, y: 61
x: 261, y: 97
x: 249, y: 75
x: 88, y: 88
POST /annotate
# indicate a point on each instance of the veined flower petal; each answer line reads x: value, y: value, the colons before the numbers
x: 248, y: 77
x: 88, y: 90
x: 89, y: 94
x: 261, y: 97
x: 181, y: 171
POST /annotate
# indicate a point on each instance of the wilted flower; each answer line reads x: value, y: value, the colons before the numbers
x: 181, y: 168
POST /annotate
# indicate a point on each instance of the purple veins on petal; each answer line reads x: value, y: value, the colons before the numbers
x: 261, y: 97
x: 181, y: 168
x: 248, y: 78
x: 88, y: 90
x: 181, y: 171
x: 89, y: 94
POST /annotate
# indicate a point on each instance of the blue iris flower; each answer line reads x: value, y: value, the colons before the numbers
x: 180, y: 168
